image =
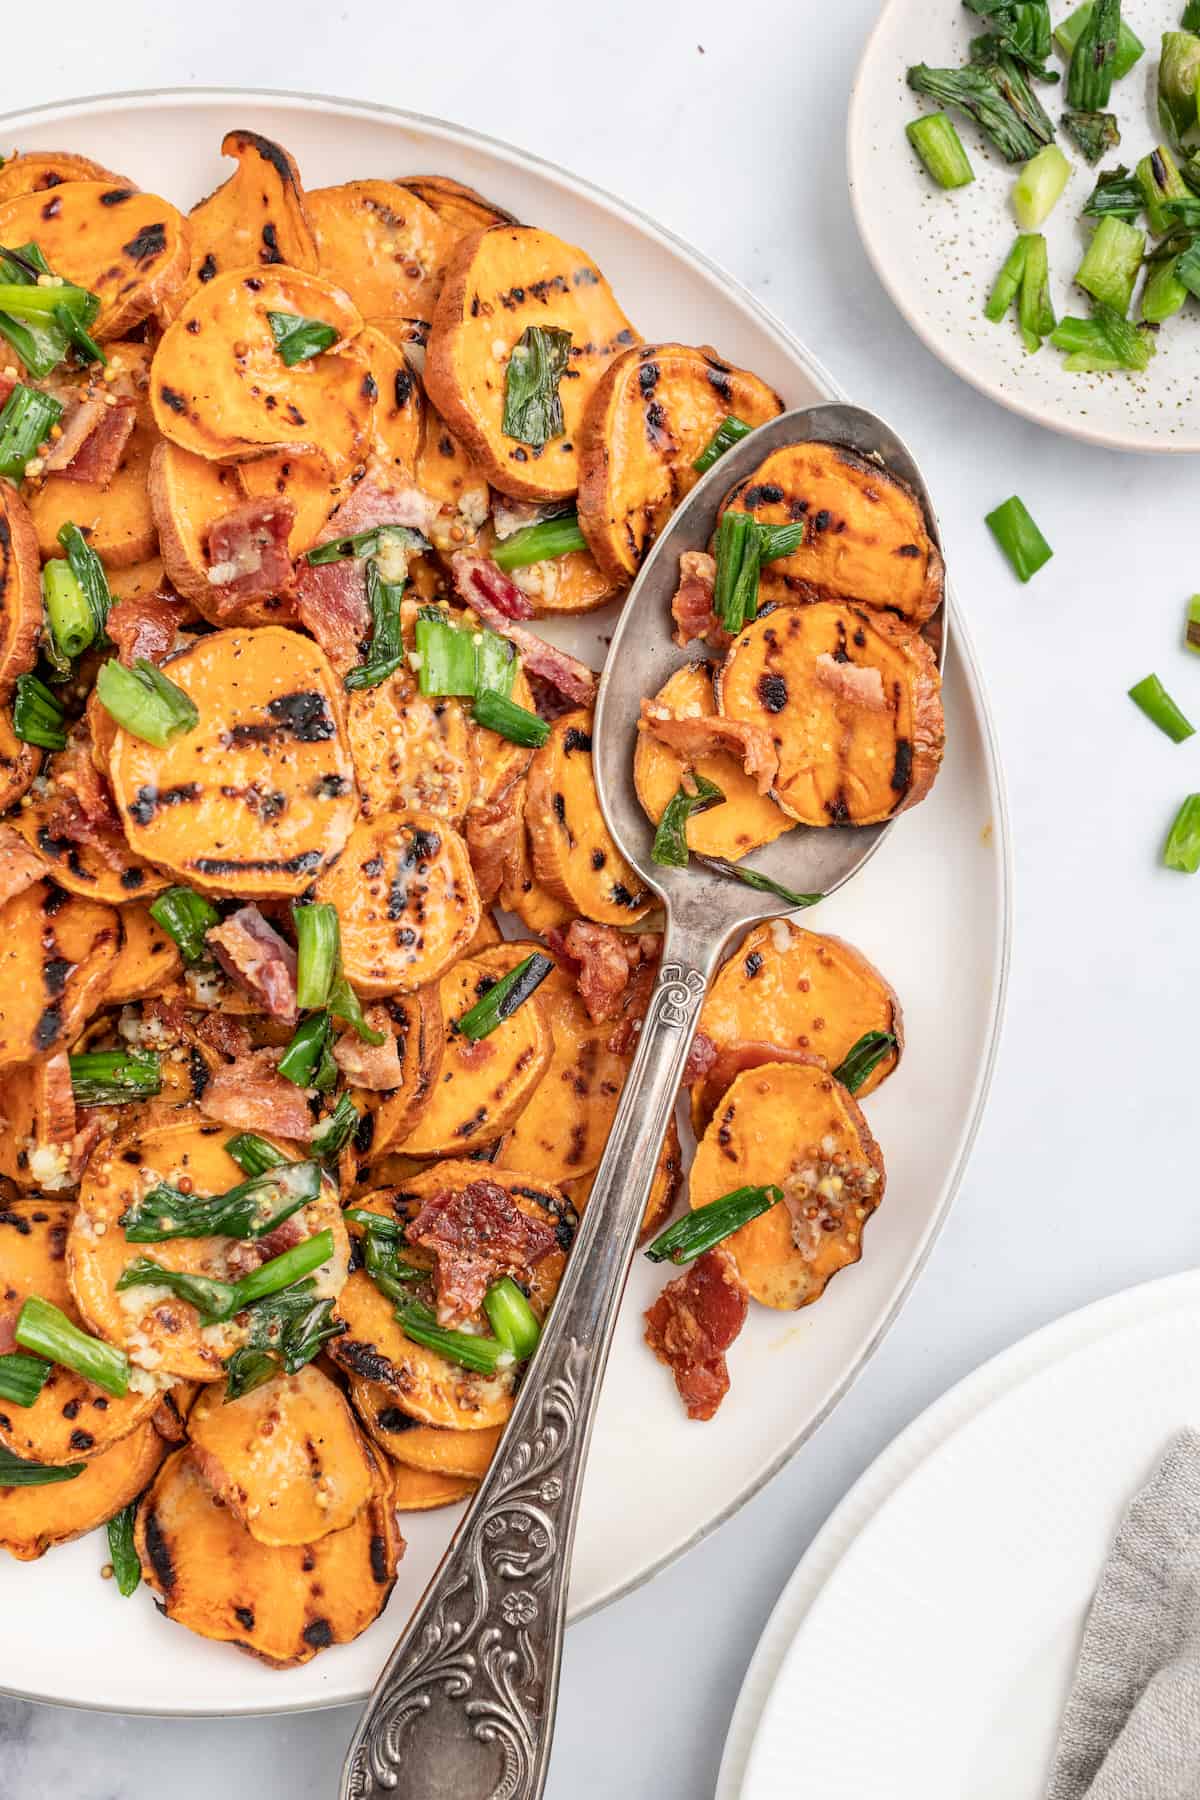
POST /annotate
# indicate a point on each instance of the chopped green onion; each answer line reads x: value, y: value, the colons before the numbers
x: 447, y: 664
x: 114, y: 1077
x: 495, y: 665
x: 1187, y: 268
x: 381, y: 1259
x: 863, y: 1058
x: 26, y: 300
x: 40, y: 343
x: 1023, y: 29
x: 383, y: 1227
x: 145, y: 702
x: 344, y: 1004
x: 126, y: 1567
x: 67, y: 611
x: 1129, y: 46
x: 511, y: 1318
x: 670, y: 848
x: 25, y: 421
x: 37, y: 716
x: 482, y: 1354
x: 47, y: 1331
x: 386, y: 653
x: 1019, y: 538
x: 286, y: 1331
x: 539, y: 543
x: 1092, y: 133
x: 1164, y: 294
x: 1039, y: 187
x: 1007, y: 284
x: 217, y: 1301
x: 735, y: 590
x: 775, y: 541
x: 1178, y: 74
x: 1182, y: 848
x: 15, y: 1473
x: 335, y: 1132
x: 318, y: 939
x: 1106, y: 341
x: 1181, y: 212
x: 533, y: 411
x: 297, y: 339
x: 1160, y: 182
x: 1035, y: 315
x: 1158, y: 706
x: 754, y: 878
x: 253, y: 1154
x: 1093, y: 60
x: 88, y: 571
x: 1117, y: 194
x: 1191, y: 635
x: 252, y: 1209
x: 516, y: 723
x: 1111, y: 262
x: 22, y: 1378
x: 1191, y: 16
x: 729, y: 432
x: 366, y: 543
x: 975, y: 92
x: 940, y: 149
x: 186, y: 917
x: 690, y: 1237
x: 504, y: 997
x: 302, y: 1058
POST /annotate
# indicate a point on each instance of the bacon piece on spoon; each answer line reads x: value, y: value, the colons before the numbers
x: 691, y: 739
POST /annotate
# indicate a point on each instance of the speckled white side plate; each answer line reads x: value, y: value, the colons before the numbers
x: 932, y: 910
x: 959, y: 1604
x: 937, y: 253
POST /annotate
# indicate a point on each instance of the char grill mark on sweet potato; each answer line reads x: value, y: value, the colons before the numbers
x: 258, y: 216
x: 37, y: 171
x: 573, y: 854
x: 459, y: 208
x: 56, y: 956
x: 129, y: 248
x: 415, y: 1021
x: 865, y: 536
x: 435, y: 1449
x: 20, y: 590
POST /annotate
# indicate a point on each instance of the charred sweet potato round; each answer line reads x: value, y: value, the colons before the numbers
x: 20, y: 590
x: 280, y: 1604
x: 399, y: 402
x: 447, y: 473
x: 148, y: 960
x: 383, y: 244
x: 435, y: 1449
x: 34, y: 1519
x: 793, y: 1125
x: 646, y: 423
x: 129, y: 248
x: 420, y: 1490
x: 36, y: 171
x: 865, y: 536
x: 158, y: 1330
x: 286, y: 1458
x: 389, y: 1115
x: 188, y: 494
x: 106, y: 871
x: 257, y: 216
x: 497, y: 283
x: 410, y: 749
x: 461, y: 208
x: 746, y: 819
x: 220, y: 387
x: 573, y: 854
x: 663, y: 1190
x: 406, y: 900
x: 852, y: 704
x: 260, y: 796
x: 57, y: 954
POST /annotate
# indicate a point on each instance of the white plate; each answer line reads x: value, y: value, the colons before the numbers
x: 932, y: 909
x: 937, y: 253
x: 947, y: 1594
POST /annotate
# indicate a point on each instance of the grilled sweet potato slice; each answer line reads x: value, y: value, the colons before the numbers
x: 70, y: 1421
x: 383, y: 245
x: 390, y: 1115
x: 410, y: 750
x: 157, y: 1330
x: 257, y: 216
x: 36, y: 171
x: 663, y: 1190
x: 137, y: 581
x: 448, y: 474
x: 280, y: 1604
x: 115, y: 516
x: 260, y: 796
x: 483, y: 1087
x: 20, y: 590
x: 646, y: 423
x: 432, y: 1449
x: 86, y: 855
x: 220, y: 387
x: 461, y: 208
x: 406, y: 900
x: 573, y: 854
x: 420, y: 1490
x: 865, y: 536
x: 129, y: 248
x: 34, y: 1519
x: 746, y: 820
x: 286, y: 1458
x: 793, y: 1125
x: 497, y: 283
x: 792, y: 990
x: 57, y: 954
x: 19, y: 762
x: 399, y: 403
x: 852, y: 704
x: 148, y: 961
x: 498, y: 763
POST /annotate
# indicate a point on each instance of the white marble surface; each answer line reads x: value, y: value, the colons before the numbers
x: 728, y: 123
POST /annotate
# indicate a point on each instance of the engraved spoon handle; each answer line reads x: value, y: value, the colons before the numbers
x: 464, y: 1709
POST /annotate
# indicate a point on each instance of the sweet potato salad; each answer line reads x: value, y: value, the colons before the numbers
x: 320, y: 973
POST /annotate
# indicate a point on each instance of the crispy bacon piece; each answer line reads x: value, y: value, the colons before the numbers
x: 494, y: 837
x: 221, y: 1032
x: 251, y: 1254
x: 84, y: 811
x: 476, y: 1235
x: 375, y: 1066
x: 486, y: 590
x: 690, y: 739
x: 250, y: 1095
x: 604, y: 960
x: 692, y: 608
x: 78, y: 423
x: 331, y: 599
x: 253, y: 954
x: 20, y: 866
x: 248, y: 554
x: 850, y: 681
x: 99, y: 453
x: 57, y: 1100
x: 691, y: 1325
x: 147, y: 626
x: 84, y: 1142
